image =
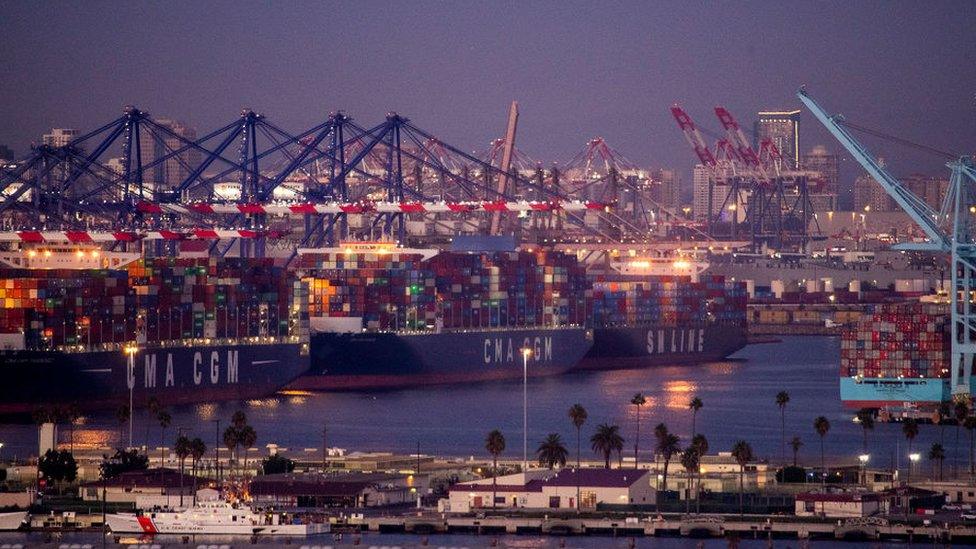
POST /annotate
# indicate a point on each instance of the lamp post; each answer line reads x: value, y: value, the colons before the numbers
x: 863, y: 458
x: 913, y: 459
x: 131, y: 382
x: 526, y: 353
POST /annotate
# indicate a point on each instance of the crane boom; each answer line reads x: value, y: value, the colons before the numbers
x: 915, y: 207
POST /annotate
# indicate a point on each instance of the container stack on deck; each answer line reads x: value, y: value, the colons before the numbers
x: 151, y: 300
x: 58, y: 307
x: 618, y: 300
x: 898, y: 341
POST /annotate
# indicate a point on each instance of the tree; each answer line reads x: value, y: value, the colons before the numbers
x: 495, y: 445
x: 122, y: 462
x: 865, y: 416
x: 943, y: 413
x: 58, y: 466
x: 822, y: 426
x: 231, y: 442
x: 700, y: 444
x: 152, y: 409
x: 276, y: 465
x: 122, y: 416
x: 742, y: 452
x: 690, y: 460
x: 164, y: 418
x: 668, y: 447
x: 961, y: 411
x: 552, y: 452
x: 782, y: 398
x: 72, y: 413
x: 248, y: 436
x: 970, y: 424
x: 695, y: 405
x: 182, y: 449
x: 606, y: 441
x: 796, y: 444
x: 909, y: 428
x: 638, y: 400
x: 577, y: 414
x: 198, y: 449
x: 937, y: 453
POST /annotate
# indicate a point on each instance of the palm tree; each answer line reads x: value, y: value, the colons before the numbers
x: 937, y: 453
x: 164, y: 418
x: 796, y: 444
x: 695, y: 405
x: 182, y: 449
x: 231, y: 442
x: 197, y: 450
x: 495, y: 444
x: 970, y: 424
x: 152, y: 408
x: 742, y: 452
x: 700, y: 444
x: 122, y: 416
x: 943, y: 413
x: 909, y: 427
x: 690, y: 460
x: 782, y: 398
x: 637, y: 401
x: 577, y: 414
x: 606, y: 441
x: 248, y: 436
x: 961, y: 411
x: 73, y: 412
x: 668, y: 447
x: 552, y: 451
x: 822, y: 426
x: 865, y: 416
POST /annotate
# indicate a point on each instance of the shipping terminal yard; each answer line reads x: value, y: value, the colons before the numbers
x: 375, y: 332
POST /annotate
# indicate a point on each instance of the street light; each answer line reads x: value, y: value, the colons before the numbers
x: 131, y: 351
x: 526, y: 353
x: 863, y: 458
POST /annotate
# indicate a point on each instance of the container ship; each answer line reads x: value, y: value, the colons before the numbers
x: 99, y: 329
x: 643, y: 317
x: 385, y: 317
x: 897, y: 359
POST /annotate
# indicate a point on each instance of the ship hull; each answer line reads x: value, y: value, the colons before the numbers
x: 171, y: 375
x: 389, y: 360
x: 645, y: 346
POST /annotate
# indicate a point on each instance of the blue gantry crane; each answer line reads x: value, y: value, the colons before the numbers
x: 949, y: 230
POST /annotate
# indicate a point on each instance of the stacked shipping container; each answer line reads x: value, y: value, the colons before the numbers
x: 909, y: 340
x: 618, y: 300
x: 152, y: 300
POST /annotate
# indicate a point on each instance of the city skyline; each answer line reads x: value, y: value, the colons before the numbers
x: 578, y: 71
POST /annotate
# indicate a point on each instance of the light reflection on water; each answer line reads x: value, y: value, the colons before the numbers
x: 738, y: 396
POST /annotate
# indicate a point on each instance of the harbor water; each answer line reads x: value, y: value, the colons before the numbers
x: 452, y: 420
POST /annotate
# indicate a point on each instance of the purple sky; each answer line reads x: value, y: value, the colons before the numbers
x: 578, y: 69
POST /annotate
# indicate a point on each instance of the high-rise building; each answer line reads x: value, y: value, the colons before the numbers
x: 870, y: 196
x: 59, y: 137
x: 783, y: 129
x: 701, y: 188
x: 821, y: 161
x: 931, y: 189
x: 666, y: 188
x: 169, y: 173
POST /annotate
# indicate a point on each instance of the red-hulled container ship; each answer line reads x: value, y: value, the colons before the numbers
x: 98, y: 329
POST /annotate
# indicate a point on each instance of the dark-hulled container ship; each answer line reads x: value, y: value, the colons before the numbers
x: 96, y: 330
x: 387, y: 317
x: 663, y: 314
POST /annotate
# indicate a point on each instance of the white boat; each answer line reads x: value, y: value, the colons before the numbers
x: 12, y: 521
x: 211, y: 518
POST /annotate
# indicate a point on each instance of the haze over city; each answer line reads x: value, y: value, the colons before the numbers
x: 578, y: 69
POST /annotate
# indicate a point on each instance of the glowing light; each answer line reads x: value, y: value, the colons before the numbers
x: 681, y: 264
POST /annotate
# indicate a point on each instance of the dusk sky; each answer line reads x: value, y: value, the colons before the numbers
x: 578, y: 69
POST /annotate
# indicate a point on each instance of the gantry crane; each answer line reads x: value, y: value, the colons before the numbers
x: 949, y: 230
